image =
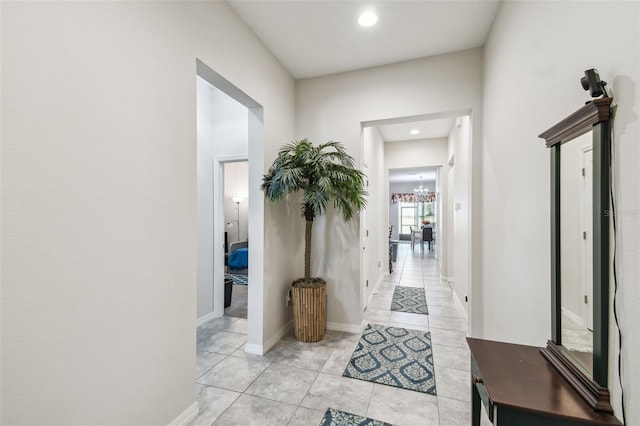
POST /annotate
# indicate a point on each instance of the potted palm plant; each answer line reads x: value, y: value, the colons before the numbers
x: 325, y: 175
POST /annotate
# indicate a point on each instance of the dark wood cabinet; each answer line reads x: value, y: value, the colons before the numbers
x: 518, y: 387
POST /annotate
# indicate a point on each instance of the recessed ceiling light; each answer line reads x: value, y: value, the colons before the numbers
x: 414, y: 131
x: 368, y: 19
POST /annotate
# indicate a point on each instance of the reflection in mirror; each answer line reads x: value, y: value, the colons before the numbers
x: 576, y: 253
x: 580, y: 255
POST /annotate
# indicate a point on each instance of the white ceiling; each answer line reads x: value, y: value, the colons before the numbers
x: 429, y: 129
x: 319, y: 37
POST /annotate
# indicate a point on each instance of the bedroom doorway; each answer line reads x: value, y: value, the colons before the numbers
x: 236, y: 238
x: 230, y: 130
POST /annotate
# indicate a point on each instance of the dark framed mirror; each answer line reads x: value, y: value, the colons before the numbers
x: 580, y: 148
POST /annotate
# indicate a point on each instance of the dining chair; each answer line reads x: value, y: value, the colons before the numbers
x: 427, y: 236
x: 416, y: 237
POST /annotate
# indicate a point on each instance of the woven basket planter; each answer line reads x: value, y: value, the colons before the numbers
x: 309, y: 300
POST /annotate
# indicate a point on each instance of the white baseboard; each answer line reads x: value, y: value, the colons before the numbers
x: 347, y: 328
x: 186, y: 416
x: 374, y: 289
x: 572, y: 316
x: 460, y: 306
x: 270, y: 342
x: 254, y: 349
x: 206, y: 318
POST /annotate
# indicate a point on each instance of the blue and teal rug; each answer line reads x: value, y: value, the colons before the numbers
x: 394, y: 356
x: 410, y: 300
x: 238, y: 279
x: 333, y: 417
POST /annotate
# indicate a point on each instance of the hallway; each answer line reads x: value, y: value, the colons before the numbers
x: 294, y: 383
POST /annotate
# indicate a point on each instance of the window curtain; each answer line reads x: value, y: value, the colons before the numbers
x: 411, y: 197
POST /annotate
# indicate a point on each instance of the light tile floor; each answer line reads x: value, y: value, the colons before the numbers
x: 294, y: 383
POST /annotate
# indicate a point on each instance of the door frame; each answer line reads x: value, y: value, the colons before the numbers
x: 218, y: 164
x: 586, y: 203
x: 255, y: 231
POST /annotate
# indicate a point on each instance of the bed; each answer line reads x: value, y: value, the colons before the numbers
x: 238, y: 258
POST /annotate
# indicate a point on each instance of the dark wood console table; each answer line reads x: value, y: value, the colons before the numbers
x: 520, y: 388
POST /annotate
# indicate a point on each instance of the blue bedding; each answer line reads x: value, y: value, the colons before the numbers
x: 239, y: 259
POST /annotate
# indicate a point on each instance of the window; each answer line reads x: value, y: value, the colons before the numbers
x: 408, y: 217
x: 427, y: 211
x: 414, y: 215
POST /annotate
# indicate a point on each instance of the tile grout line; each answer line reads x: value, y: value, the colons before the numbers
x: 394, y: 280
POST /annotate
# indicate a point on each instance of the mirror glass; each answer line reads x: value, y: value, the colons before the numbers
x: 576, y: 250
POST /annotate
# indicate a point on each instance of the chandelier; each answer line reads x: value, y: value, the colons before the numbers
x: 421, y: 192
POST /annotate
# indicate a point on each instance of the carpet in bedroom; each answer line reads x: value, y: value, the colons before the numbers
x: 238, y: 279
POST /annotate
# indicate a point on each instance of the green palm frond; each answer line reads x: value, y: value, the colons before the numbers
x: 324, y: 173
x: 326, y: 176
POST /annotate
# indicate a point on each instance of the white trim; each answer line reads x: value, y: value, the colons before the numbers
x: 221, y: 83
x: 186, y: 416
x: 253, y: 349
x: 572, y: 316
x: 347, y: 328
x: 375, y: 288
x: 275, y: 338
x: 445, y: 278
x: 231, y: 158
x: 412, y: 118
x: 206, y: 318
x: 256, y: 232
x: 217, y: 175
x: 460, y: 306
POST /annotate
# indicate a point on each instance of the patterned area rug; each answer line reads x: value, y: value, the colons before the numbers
x: 394, y: 356
x: 333, y: 417
x: 409, y: 299
x: 238, y: 279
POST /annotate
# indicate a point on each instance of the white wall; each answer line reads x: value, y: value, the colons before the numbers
x: 377, y: 252
x: 408, y: 187
x: 543, y: 68
x: 415, y: 153
x: 460, y: 213
x: 333, y: 107
x: 99, y: 202
x: 447, y: 270
x: 222, y: 131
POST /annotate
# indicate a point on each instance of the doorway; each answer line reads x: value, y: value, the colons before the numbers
x: 410, y: 144
x: 229, y: 130
x: 236, y: 238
